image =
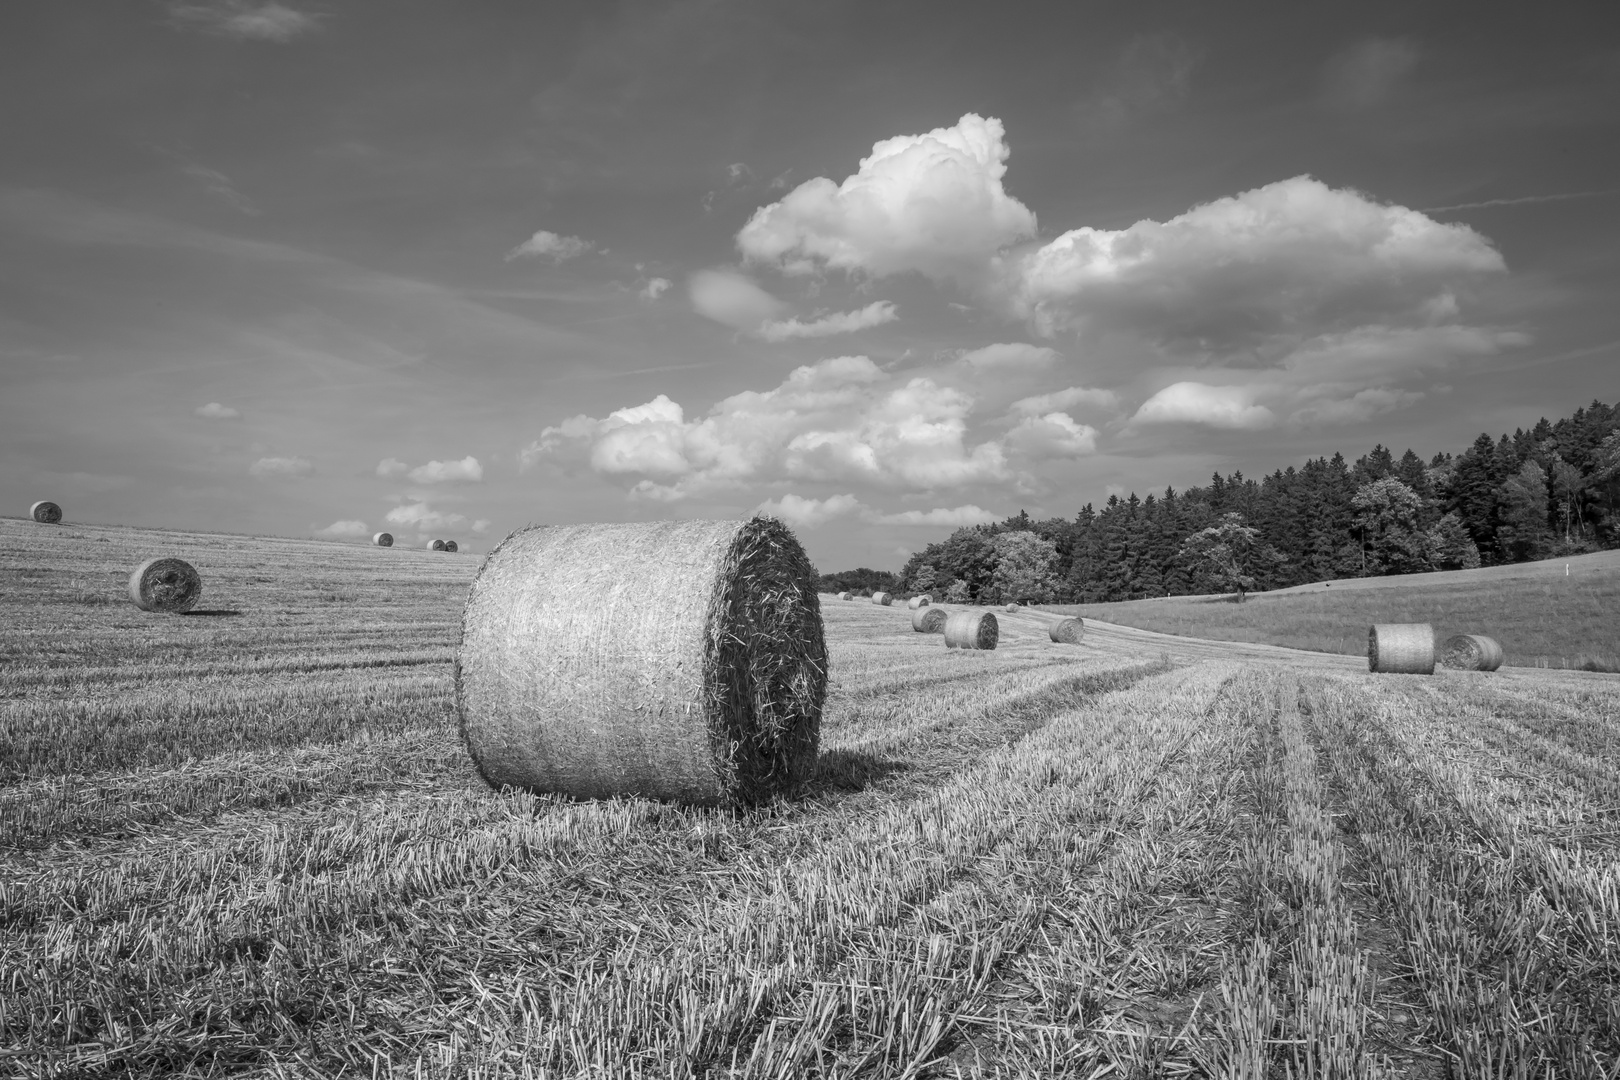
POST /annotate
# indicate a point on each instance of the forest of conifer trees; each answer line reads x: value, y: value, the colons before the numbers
x: 1551, y: 490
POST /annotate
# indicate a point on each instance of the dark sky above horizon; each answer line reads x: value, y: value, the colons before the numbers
x: 881, y: 269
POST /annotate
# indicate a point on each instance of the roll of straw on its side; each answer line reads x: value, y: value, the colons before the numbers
x: 920, y: 601
x: 1067, y: 631
x: 569, y: 680
x: 383, y: 539
x: 435, y: 545
x: 845, y: 596
x: 971, y: 630
x: 1471, y: 652
x: 883, y: 598
x: 46, y: 513
x: 450, y: 545
x: 1401, y: 648
x: 1012, y: 608
x: 167, y: 585
x: 929, y: 620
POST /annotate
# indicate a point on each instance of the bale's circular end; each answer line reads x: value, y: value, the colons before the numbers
x: 383, y: 539
x: 929, y: 620
x: 168, y: 585
x: 450, y: 545
x: 1067, y: 631
x: 920, y: 601
x: 882, y: 598
x: 1401, y: 648
x: 971, y: 630
x: 568, y: 681
x: 1472, y: 652
x: 435, y: 545
x: 46, y: 513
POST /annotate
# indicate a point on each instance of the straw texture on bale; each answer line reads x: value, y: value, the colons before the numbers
x: 920, y: 601
x: 383, y: 539
x: 1401, y: 648
x: 569, y: 681
x: 883, y: 598
x: 929, y: 620
x: 1471, y: 652
x: 170, y: 585
x: 971, y: 630
x: 46, y: 513
x: 1067, y: 631
x: 450, y: 545
x: 435, y: 545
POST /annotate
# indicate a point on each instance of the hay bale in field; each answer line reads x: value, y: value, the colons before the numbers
x: 569, y: 681
x: 435, y: 545
x: 929, y: 620
x: 383, y: 539
x: 169, y: 585
x: 450, y: 545
x: 1471, y: 652
x: 919, y: 601
x: 1012, y: 608
x: 883, y: 598
x: 845, y: 596
x: 971, y: 630
x: 1067, y: 631
x: 1401, y: 648
x: 46, y: 513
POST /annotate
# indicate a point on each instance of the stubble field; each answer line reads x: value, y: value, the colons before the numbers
x: 249, y: 843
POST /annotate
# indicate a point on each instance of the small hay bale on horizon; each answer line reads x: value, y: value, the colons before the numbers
x: 46, y: 512
x: 883, y: 598
x: 1067, y: 631
x: 929, y: 619
x: 450, y: 545
x: 1472, y: 652
x: 1401, y: 648
x: 1012, y: 608
x: 569, y: 681
x: 971, y: 630
x: 435, y: 545
x: 920, y: 601
x: 383, y: 539
x: 167, y: 585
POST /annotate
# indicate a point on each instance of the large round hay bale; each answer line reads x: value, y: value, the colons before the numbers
x: 435, y: 545
x: 1401, y: 648
x: 1067, y: 631
x: 919, y: 601
x: 171, y: 585
x: 46, y: 513
x: 929, y: 620
x: 1471, y: 652
x: 971, y: 630
x: 845, y: 596
x: 383, y: 539
x: 883, y: 598
x: 450, y: 545
x: 568, y: 680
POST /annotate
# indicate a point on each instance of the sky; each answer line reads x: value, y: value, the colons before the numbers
x: 444, y: 270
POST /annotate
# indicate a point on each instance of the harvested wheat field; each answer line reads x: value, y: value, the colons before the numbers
x: 248, y: 840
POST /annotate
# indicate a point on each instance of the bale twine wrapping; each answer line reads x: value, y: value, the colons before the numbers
x: 46, y: 513
x: 1067, y: 631
x: 450, y: 545
x: 435, y: 545
x: 569, y: 681
x: 929, y: 620
x: 883, y: 598
x: 971, y: 630
x: 919, y: 601
x: 383, y: 539
x: 1401, y: 648
x: 169, y: 585
x: 1471, y: 652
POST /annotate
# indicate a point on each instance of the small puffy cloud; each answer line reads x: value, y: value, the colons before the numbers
x: 1059, y: 400
x: 931, y: 203
x: 953, y: 518
x: 346, y: 529
x: 1009, y: 357
x: 1229, y: 407
x: 802, y: 513
x: 482, y: 526
x: 467, y: 470
x: 1055, y: 435
x: 655, y: 288
x: 243, y: 20
x: 423, y: 517
x: 732, y: 299
x: 215, y: 411
x: 267, y: 467
x: 550, y: 245
x: 1368, y: 72
x: 843, y: 322
x: 391, y: 467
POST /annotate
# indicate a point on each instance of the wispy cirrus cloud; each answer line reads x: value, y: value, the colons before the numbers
x: 244, y: 20
x: 841, y: 322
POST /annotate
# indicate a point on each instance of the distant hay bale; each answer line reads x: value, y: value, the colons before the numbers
x: 383, y: 539
x: 46, y: 513
x: 1012, y: 607
x: 971, y: 630
x: 1067, y: 631
x: 169, y: 585
x: 435, y: 545
x: 1401, y: 648
x: 883, y: 598
x: 1471, y: 652
x: 929, y: 620
x: 920, y: 601
x: 569, y: 681
x: 450, y: 545
x: 845, y: 596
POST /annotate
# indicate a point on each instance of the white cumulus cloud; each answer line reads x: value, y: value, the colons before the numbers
x: 1230, y: 407
x: 346, y: 529
x: 215, y: 411
x: 392, y: 467
x: 1054, y: 435
x: 1062, y: 400
x: 281, y: 466
x: 951, y: 518
x: 732, y: 299
x: 842, y: 322
x: 467, y: 470
x: 655, y: 288
x: 423, y: 517
x: 551, y: 245
x: 1009, y: 357
x: 802, y: 513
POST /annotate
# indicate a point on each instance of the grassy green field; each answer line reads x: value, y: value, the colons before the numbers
x: 1541, y: 617
x: 251, y: 844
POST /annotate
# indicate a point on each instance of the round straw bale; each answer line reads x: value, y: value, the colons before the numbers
x: 171, y: 585
x: 920, y: 601
x: 1012, y: 608
x: 971, y: 630
x: 929, y: 620
x: 1471, y: 652
x: 1067, y: 631
x: 845, y: 596
x: 883, y: 598
x: 569, y: 681
x: 450, y: 545
x: 435, y: 545
x: 1401, y: 648
x: 383, y: 539
x: 46, y: 513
